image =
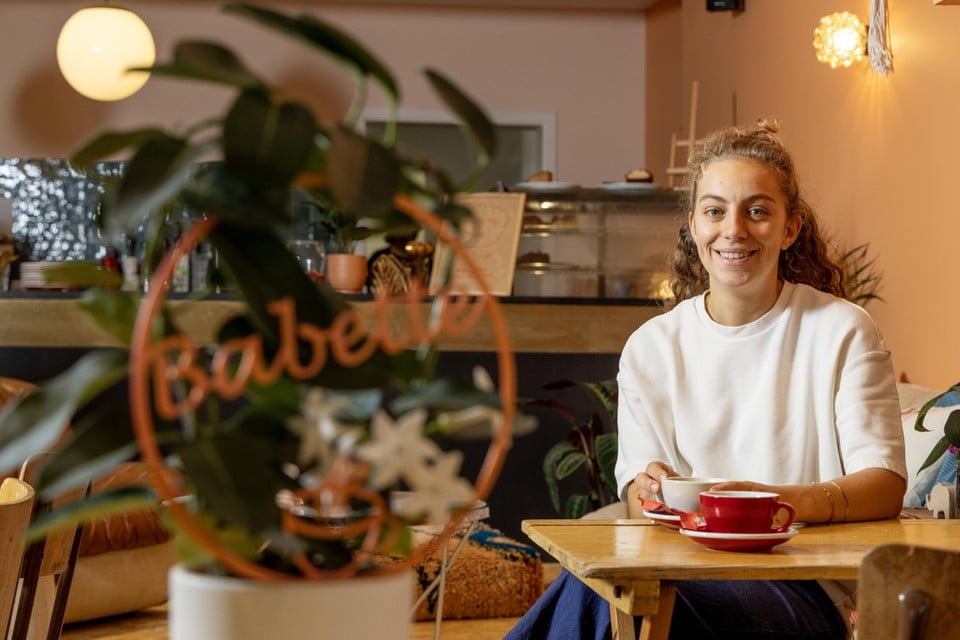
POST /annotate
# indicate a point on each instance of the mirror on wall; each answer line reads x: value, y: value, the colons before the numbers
x: 526, y: 142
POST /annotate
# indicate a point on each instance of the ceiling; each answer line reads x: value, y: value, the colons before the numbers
x: 622, y: 5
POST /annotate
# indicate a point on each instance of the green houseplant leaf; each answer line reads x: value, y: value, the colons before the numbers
x: 208, y: 62
x: 480, y: 127
x: 36, y: 421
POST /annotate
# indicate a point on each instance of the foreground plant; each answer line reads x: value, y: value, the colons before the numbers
x: 281, y: 431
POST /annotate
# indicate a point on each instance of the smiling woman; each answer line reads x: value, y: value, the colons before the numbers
x: 758, y: 374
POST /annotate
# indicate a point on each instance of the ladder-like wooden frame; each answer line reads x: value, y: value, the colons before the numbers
x: 674, y: 171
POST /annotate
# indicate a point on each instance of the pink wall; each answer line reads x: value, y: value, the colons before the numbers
x: 877, y: 155
x: 585, y: 67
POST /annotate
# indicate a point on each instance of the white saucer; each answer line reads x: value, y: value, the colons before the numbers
x: 740, y: 541
x: 668, y: 520
x: 547, y: 187
x: 629, y: 186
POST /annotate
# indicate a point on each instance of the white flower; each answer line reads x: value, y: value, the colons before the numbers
x: 436, y: 489
x: 321, y: 434
x: 397, y: 448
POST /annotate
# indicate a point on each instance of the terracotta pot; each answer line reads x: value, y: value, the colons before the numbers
x: 206, y: 607
x: 347, y: 272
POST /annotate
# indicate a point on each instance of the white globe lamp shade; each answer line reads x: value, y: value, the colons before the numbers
x: 96, y: 47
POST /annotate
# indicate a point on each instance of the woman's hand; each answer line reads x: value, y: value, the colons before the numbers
x: 868, y: 494
x: 646, y: 486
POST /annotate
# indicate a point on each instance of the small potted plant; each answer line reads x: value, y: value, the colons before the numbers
x: 295, y: 433
x: 950, y: 442
x: 583, y: 461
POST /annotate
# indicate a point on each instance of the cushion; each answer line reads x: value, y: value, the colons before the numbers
x: 918, y: 444
x: 123, y: 560
x: 493, y: 576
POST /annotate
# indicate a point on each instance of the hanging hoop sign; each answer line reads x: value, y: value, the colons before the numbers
x: 155, y: 365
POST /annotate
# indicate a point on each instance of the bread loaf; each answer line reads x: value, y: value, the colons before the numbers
x: 541, y: 176
x: 638, y: 175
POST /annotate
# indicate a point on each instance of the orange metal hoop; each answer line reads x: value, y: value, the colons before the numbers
x: 140, y: 369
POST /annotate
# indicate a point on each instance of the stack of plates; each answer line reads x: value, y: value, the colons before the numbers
x: 34, y: 276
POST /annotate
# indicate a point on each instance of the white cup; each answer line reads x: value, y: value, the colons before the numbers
x: 682, y: 493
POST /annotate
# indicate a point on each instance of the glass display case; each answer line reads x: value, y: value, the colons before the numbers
x: 608, y: 242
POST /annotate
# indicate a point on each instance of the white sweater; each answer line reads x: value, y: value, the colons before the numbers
x: 803, y: 394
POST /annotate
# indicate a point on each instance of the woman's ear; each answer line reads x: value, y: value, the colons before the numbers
x: 791, y: 232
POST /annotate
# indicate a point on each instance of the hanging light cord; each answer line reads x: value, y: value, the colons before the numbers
x: 878, y: 38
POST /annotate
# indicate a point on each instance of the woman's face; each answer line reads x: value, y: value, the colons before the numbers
x: 740, y: 225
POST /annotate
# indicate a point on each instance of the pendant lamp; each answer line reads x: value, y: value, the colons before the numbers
x: 96, y: 47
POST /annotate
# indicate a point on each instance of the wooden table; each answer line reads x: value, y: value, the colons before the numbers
x: 633, y: 563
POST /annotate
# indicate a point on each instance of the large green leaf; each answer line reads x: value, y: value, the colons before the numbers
x: 325, y: 37
x: 98, y: 443
x: 114, y: 311
x: 929, y: 404
x: 576, y: 506
x: 936, y: 453
x: 550, y: 463
x: 606, y: 452
x: 109, y: 143
x: 570, y: 463
x: 266, y: 143
x: 364, y: 175
x: 478, y: 124
x: 236, y: 477
x: 154, y: 177
x: 214, y: 189
x: 262, y: 269
x: 80, y: 274
x: 35, y: 422
x: 209, y: 62
x: 951, y: 428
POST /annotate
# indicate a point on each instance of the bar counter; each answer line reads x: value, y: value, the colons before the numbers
x: 536, y: 325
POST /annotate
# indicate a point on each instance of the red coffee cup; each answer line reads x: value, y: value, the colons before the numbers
x: 741, y: 512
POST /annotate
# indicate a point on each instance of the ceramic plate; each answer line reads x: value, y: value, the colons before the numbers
x: 629, y: 186
x: 546, y: 187
x: 740, y: 541
x: 668, y: 520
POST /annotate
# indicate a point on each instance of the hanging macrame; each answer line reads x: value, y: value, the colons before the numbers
x: 878, y: 38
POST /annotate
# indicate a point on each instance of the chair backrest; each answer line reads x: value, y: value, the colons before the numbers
x: 908, y: 592
x: 16, y: 506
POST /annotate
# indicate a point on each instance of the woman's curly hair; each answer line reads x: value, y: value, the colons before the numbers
x: 806, y: 261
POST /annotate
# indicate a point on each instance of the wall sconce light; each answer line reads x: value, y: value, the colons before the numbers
x: 97, y: 45
x: 840, y: 39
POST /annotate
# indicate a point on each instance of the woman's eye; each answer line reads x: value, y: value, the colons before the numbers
x: 712, y: 212
x: 757, y: 213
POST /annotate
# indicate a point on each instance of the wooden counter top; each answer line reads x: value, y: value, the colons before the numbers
x: 535, y: 327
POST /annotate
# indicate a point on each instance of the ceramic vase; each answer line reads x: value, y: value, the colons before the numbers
x: 208, y: 607
x: 347, y: 272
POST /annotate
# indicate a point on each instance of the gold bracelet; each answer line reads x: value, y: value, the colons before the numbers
x: 846, y: 503
x: 829, y: 499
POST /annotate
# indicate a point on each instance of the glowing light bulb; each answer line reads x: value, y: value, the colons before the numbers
x: 97, y: 45
x: 840, y: 39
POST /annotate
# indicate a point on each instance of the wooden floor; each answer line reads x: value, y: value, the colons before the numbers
x: 151, y: 624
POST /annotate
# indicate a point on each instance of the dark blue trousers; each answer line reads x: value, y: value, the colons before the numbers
x: 704, y: 610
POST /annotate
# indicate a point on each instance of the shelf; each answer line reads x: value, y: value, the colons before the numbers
x: 536, y: 327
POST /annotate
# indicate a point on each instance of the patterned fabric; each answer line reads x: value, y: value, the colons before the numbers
x: 493, y: 576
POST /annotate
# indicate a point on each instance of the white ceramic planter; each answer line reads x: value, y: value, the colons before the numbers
x: 204, y: 607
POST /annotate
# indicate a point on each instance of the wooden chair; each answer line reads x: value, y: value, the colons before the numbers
x: 16, y: 507
x: 908, y: 592
x: 47, y: 567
